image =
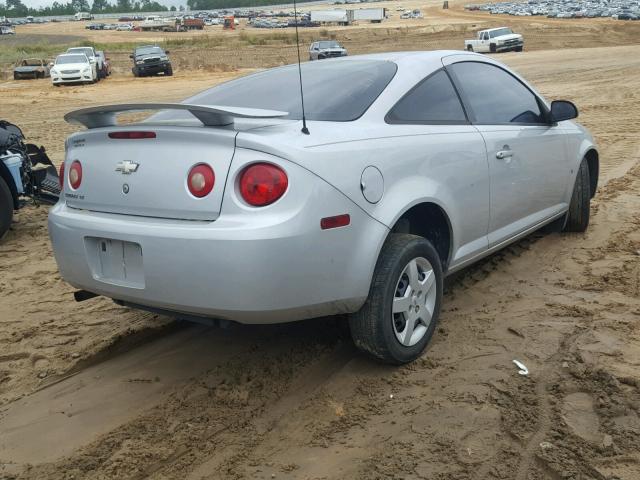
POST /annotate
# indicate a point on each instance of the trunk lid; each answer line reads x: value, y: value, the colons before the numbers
x: 148, y: 176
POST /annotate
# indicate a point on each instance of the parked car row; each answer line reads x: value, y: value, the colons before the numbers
x: 411, y: 14
x: 87, y: 65
x: 616, y: 9
x: 103, y: 26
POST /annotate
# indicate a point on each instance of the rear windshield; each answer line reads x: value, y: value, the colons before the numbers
x: 337, y: 91
x: 71, y: 59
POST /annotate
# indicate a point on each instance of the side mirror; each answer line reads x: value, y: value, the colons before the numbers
x: 563, y: 110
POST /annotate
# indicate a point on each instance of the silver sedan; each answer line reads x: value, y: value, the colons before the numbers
x: 413, y: 166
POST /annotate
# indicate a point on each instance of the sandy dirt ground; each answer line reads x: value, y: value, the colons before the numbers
x: 93, y: 390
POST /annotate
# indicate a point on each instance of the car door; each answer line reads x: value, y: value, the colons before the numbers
x: 528, y: 164
x: 483, y: 43
x: 439, y: 144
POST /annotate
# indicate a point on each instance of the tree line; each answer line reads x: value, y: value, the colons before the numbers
x: 15, y: 8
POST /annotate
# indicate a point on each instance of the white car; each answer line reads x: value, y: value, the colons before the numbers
x: 405, y: 167
x: 127, y: 27
x: 73, y: 68
x: 90, y: 52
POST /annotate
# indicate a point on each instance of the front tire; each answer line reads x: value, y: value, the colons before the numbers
x: 400, y: 315
x: 169, y: 72
x: 580, y: 206
x: 6, y: 207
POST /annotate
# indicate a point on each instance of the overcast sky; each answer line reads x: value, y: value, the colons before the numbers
x: 44, y: 3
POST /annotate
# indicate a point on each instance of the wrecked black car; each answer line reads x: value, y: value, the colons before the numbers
x: 26, y: 174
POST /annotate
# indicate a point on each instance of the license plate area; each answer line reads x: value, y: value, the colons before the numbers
x: 115, y: 261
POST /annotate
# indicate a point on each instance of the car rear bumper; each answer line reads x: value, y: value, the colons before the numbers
x: 268, y: 268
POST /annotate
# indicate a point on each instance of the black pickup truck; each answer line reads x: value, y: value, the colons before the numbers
x: 150, y: 60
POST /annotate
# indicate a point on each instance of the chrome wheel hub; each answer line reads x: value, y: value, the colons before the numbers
x: 414, y: 301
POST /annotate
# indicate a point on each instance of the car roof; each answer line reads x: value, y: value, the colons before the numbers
x: 406, y: 57
x: 72, y: 55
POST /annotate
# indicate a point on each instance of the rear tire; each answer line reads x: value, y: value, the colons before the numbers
x: 16, y: 76
x: 415, y: 294
x: 6, y: 207
x: 469, y: 48
x: 580, y: 206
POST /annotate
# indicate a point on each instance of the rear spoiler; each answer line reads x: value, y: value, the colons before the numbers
x: 209, y: 115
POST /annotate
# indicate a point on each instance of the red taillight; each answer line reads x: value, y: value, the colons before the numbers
x: 132, y: 135
x: 61, y: 176
x: 262, y: 184
x: 200, y: 180
x: 75, y: 174
x: 335, y: 222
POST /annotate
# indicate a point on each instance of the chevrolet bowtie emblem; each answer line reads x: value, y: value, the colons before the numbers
x: 126, y: 167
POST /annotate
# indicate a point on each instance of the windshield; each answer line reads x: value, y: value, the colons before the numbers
x: 31, y: 62
x: 337, y: 91
x: 62, y: 59
x: 500, y: 32
x: 149, y: 51
x: 87, y: 51
x: 328, y: 44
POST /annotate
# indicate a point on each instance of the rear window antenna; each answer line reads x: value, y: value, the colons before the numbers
x: 304, y: 130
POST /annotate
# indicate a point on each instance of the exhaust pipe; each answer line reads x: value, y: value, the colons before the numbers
x: 82, y: 295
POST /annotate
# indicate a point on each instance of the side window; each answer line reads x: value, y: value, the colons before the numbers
x: 432, y: 101
x: 495, y: 96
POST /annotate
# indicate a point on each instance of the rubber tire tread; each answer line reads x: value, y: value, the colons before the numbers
x: 371, y: 327
x: 580, y: 206
x: 6, y: 207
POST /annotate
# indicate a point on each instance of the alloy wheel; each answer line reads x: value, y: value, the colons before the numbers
x: 414, y: 301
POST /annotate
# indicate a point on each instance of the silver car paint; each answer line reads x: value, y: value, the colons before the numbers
x: 251, y: 265
x: 275, y: 264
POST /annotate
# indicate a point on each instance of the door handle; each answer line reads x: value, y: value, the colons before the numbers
x: 502, y: 154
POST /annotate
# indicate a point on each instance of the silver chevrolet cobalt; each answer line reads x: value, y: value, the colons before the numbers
x: 410, y: 166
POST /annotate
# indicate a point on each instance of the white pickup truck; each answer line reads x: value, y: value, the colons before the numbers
x: 495, y: 40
